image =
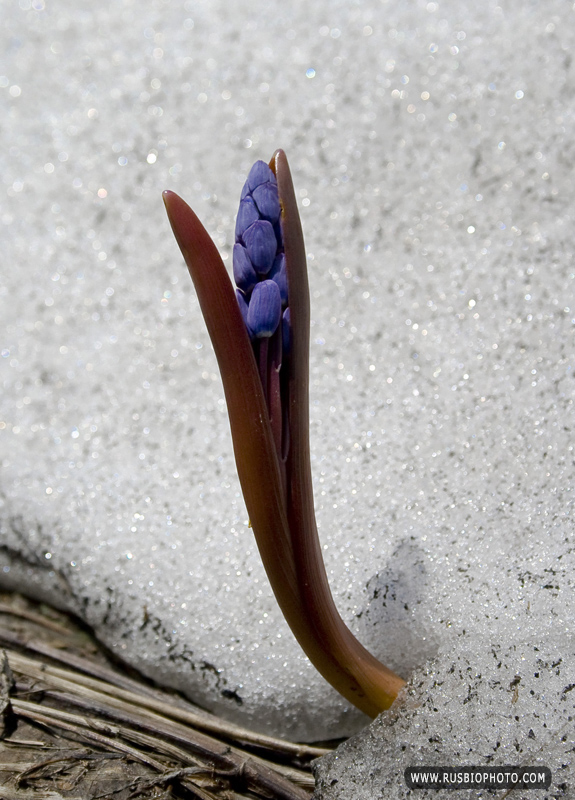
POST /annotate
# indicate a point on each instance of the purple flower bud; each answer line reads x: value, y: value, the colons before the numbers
x: 265, y: 309
x: 286, y: 331
x: 278, y: 274
x: 267, y: 200
x: 247, y: 214
x: 244, y: 273
x: 261, y: 244
x: 245, y: 190
x: 278, y: 233
x: 260, y: 173
x: 244, y: 309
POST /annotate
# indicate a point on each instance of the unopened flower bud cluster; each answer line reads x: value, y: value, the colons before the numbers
x: 258, y: 257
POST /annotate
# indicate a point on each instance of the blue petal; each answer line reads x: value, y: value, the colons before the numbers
x: 245, y: 190
x: 265, y: 309
x: 247, y: 213
x: 278, y: 274
x: 260, y: 173
x: 278, y: 233
x: 244, y: 273
x: 286, y: 332
x: 261, y: 244
x: 244, y: 308
x: 266, y: 199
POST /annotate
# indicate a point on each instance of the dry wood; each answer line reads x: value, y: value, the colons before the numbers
x: 89, y: 730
